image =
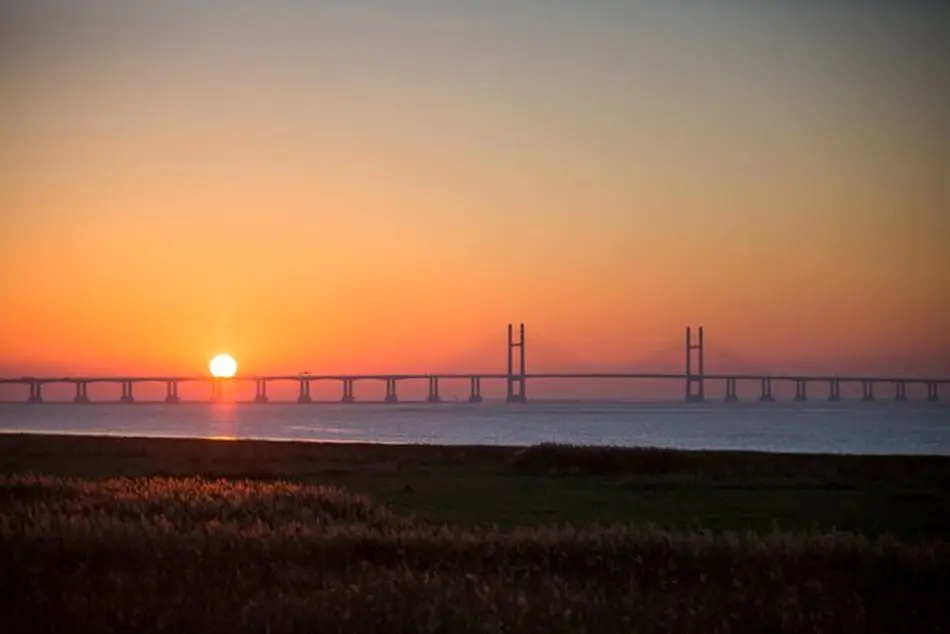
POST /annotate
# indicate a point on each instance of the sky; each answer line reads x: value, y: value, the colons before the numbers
x: 371, y: 186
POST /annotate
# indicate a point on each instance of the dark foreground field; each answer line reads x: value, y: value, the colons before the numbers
x: 142, y: 535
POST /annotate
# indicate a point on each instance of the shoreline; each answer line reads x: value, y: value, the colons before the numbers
x: 393, y: 443
x: 462, y: 447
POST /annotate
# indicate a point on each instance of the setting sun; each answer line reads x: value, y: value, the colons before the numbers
x: 223, y: 366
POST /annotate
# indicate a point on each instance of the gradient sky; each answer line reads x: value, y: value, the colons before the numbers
x: 357, y: 185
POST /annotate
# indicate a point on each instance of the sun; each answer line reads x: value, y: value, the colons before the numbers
x: 223, y: 366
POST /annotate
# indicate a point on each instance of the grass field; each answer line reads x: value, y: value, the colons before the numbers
x: 903, y: 496
x: 108, y: 534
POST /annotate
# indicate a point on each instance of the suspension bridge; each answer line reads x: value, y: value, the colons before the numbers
x: 693, y: 376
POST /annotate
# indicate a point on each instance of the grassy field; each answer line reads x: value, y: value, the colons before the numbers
x: 509, y: 487
x: 107, y: 534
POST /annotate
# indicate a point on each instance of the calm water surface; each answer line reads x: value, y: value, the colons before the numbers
x: 878, y: 428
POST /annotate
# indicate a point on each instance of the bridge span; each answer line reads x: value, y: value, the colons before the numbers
x: 694, y: 379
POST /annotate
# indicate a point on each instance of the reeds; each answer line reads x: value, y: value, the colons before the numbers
x: 189, y: 555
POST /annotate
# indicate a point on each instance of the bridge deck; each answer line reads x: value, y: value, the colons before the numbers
x: 479, y: 375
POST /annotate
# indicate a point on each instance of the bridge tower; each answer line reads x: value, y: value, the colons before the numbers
x: 695, y: 389
x: 516, y: 382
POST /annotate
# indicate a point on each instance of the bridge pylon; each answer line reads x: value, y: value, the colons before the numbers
x: 36, y: 392
x: 434, y: 390
x: 932, y: 392
x: 82, y: 392
x: 475, y: 394
x: 217, y: 390
x: 127, y: 395
x: 303, y: 391
x: 171, y: 392
x: 695, y: 388
x: 260, y: 391
x: 516, y: 382
x: 348, y: 392
x: 391, y: 396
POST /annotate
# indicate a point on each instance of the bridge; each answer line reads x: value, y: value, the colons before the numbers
x: 693, y: 377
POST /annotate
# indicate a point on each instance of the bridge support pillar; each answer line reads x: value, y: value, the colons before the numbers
x: 36, y: 392
x: 834, y: 390
x: 82, y: 395
x: 171, y: 392
x: 303, y: 395
x: 391, y: 392
x: 731, y: 396
x: 347, y: 392
x: 217, y: 391
x: 900, y: 392
x: 434, y: 390
x: 801, y: 390
x: 260, y: 391
x: 516, y: 382
x: 127, y: 396
x: 932, y: 394
x: 867, y: 391
x: 766, y: 396
x: 475, y: 391
x: 695, y: 388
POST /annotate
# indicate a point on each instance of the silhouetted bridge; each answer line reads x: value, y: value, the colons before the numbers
x: 694, y: 379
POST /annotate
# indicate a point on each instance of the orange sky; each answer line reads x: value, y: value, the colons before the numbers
x: 349, y: 190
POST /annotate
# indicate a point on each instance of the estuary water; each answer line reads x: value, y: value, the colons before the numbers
x: 862, y: 428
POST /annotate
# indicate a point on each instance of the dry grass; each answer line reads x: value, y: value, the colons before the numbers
x: 190, y: 555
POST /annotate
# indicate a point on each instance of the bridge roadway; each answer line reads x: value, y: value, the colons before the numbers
x: 731, y: 379
x: 483, y: 375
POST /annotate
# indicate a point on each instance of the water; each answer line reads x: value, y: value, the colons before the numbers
x: 880, y: 428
